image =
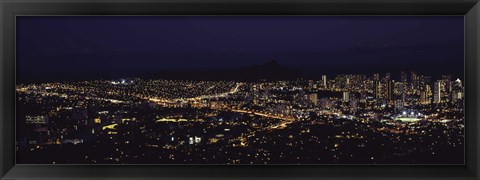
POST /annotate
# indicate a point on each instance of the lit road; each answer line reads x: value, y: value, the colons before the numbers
x: 285, y: 119
x: 234, y: 90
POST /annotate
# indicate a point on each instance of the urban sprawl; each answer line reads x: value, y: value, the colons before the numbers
x: 342, y: 119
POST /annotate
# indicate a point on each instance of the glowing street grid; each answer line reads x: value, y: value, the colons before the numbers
x: 346, y: 119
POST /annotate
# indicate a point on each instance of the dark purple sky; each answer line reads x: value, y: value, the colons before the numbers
x: 81, y: 44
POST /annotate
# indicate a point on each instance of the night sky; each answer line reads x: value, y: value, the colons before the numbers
x: 94, y: 46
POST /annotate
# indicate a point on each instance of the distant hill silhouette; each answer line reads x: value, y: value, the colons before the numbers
x: 270, y: 70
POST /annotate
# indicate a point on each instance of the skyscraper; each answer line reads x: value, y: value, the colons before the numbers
x: 415, y: 82
x: 438, y: 91
x: 448, y: 83
x: 403, y: 85
x: 425, y: 95
x: 346, y: 96
x: 376, y: 89
x: 314, y: 99
x: 324, y: 81
x: 457, y: 90
x: 389, y: 91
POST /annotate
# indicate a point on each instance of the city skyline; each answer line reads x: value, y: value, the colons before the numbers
x: 420, y: 120
x: 240, y: 90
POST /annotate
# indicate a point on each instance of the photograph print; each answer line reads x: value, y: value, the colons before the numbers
x: 243, y: 90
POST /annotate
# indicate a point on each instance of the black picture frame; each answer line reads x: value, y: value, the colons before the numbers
x: 11, y: 8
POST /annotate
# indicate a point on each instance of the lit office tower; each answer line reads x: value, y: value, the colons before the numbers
x: 423, y: 98
x: 439, y: 91
x: 415, y: 82
x: 390, y: 85
x: 425, y: 95
x: 422, y: 83
x: 457, y: 90
x: 347, y: 83
x: 376, y: 86
x: 376, y: 89
x: 404, y: 84
x: 346, y: 96
x: 314, y: 98
x: 428, y: 90
x: 324, y: 81
x: 448, y: 83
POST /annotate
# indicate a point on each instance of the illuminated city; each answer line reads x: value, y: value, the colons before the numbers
x: 241, y: 90
x: 341, y: 119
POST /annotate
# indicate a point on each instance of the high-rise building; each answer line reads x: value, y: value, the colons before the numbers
x: 438, y: 91
x: 425, y: 95
x: 415, y: 82
x: 314, y: 98
x: 389, y: 91
x: 457, y: 90
x: 376, y: 89
x: 324, y: 81
x: 448, y: 83
x: 403, y: 85
x: 346, y: 96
